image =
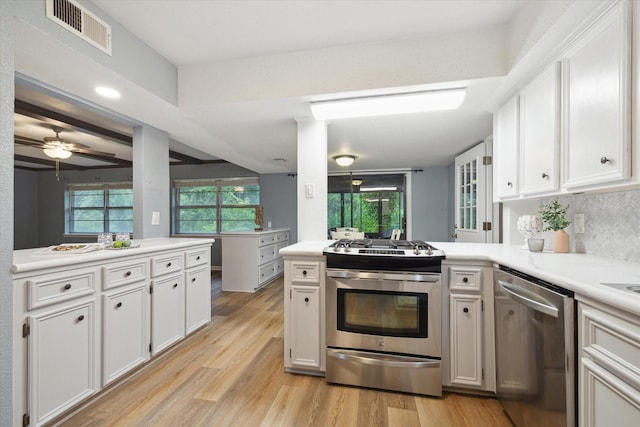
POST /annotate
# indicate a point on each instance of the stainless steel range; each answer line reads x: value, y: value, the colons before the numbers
x: 383, y: 315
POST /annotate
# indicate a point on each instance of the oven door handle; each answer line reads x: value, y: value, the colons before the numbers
x: 376, y: 275
x: 401, y: 362
x: 528, y: 298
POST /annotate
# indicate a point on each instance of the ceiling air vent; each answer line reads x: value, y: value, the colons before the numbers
x: 80, y: 21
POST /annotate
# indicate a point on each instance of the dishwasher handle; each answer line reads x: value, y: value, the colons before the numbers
x: 528, y: 298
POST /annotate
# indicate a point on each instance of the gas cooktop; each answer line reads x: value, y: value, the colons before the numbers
x: 383, y: 247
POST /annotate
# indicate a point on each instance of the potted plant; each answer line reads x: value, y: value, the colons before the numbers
x: 554, y: 215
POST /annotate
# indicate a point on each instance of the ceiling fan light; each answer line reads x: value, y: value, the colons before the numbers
x: 107, y: 92
x: 57, y: 153
x: 345, y: 160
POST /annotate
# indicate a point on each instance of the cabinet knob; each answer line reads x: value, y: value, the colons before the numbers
x: 127, y: 274
x: 67, y: 286
x: 193, y: 280
x: 306, y: 300
x: 168, y: 264
x: 198, y: 258
x: 509, y: 184
x: 465, y: 280
x: 604, y: 160
x: 304, y: 272
x: 175, y: 285
x: 466, y: 310
x: 81, y: 318
x: 511, y: 313
x: 544, y: 175
x: 118, y: 305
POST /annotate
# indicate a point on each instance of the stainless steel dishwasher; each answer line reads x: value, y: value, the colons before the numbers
x: 535, y: 350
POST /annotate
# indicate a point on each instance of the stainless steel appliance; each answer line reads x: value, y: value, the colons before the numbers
x: 535, y: 350
x: 384, y: 315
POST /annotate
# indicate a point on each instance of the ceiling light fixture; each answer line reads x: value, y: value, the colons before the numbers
x: 107, y: 92
x: 356, y: 182
x: 57, y: 152
x: 345, y: 160
x: 415, y: 102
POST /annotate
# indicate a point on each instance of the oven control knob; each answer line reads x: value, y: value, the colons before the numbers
x: 347, y: 249
x: 336, y: 249
x: 416, y: 251
x: 429, y: 251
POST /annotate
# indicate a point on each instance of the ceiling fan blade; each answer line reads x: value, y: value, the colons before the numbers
x: 27, y: 141
x: 91, y: 152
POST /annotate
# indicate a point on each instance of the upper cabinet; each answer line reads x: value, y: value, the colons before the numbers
x: 569, y: 128
x: 505, y: 150
x: 597, y: 100
x: 540, y: 133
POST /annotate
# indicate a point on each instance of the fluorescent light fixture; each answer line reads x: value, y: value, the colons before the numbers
x: 365, y: 189
x: 416, y: 102
x: 107, y: 92
x: 345, y: 160
x: 376, y: 200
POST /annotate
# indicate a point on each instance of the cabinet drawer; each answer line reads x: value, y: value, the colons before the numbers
x: 282, y: 237
x: 267, y: 254
x: 467, y: 279
x: 612, y: 335
x: 197, y: 257
x: 267, y: 239
x: 51, y: 289
x: 305, y: 272
x: 266, y: 272
x: 115, y: 275
x: 164, y: 264
x: 279, y: 269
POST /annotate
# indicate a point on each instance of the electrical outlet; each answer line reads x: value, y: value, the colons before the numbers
x: 578, y: 223
x: 155, y: 218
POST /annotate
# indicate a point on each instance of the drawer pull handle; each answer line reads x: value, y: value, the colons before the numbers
x: 544, y: 175
x: 306, y: 300
x: 465, y: 280
x: 304, y: 272
x: 175, y: 285
x: 127, y: 274
x: 466, y: 310
x: 193, y: 280
x: 118, y: 305
x: 168, y: 264
x: 81, y: 318
x: 67, y: 286
x: 509, y: 184
x: 604, y: 160
x: 198, y: 258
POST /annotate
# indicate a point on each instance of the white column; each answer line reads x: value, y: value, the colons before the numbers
x: 151, y: 183
x: 312, y: 179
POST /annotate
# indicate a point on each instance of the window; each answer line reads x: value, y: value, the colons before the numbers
x: 372, y: 203
x: 210, y: 206
x: 98, y: 208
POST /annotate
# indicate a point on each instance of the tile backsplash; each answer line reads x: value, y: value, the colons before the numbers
x: 611, y: 224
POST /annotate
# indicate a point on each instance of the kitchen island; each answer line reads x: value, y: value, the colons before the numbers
x: 85, y: 316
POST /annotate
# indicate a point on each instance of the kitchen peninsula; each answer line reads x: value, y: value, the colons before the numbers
x: 83, y: 320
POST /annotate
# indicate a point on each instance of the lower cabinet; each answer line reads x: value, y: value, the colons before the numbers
x: 125, y: 337
x: 304, y: 315
x: 468, y: 338
x: 609, y: 366
x: 63, y: 360
x: 198, y: 298
x: 167, y: 312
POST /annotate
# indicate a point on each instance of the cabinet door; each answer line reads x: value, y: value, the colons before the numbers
x: 605, y: 398
x: 305, y: 327
x: 62, y: 360
x: 505, y: 149
x: 540, y: 133
x: 597, y: 72
x: 167, y: 312
x: 466, y: 339
x: 126, y: 331
x: 198, y: 297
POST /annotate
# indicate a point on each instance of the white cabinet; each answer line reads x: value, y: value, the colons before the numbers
x: 63, y: 361
x: 609, y: 366
x: 597, y: 100
x: 470, y: 327
x: 167, y: 311
x: 540, y: 133
x: 506, y: 150
x: 250, y: 260
x: 197, y: 288
x: 125, y: 340
x: 304, y: 314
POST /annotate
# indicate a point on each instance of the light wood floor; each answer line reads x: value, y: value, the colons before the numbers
x: 231, y: 373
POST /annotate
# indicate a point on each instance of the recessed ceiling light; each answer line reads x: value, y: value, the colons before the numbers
x: 107, y: 92
x: 416, y: 102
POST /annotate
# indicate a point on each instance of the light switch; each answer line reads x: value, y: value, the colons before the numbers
x: 309, y: 191
x: 155, y: 218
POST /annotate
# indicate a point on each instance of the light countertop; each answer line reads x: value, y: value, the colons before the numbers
x: 25, y: 260
x: 581, y: 273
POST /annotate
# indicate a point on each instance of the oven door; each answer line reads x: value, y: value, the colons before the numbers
x: 384, y: 312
